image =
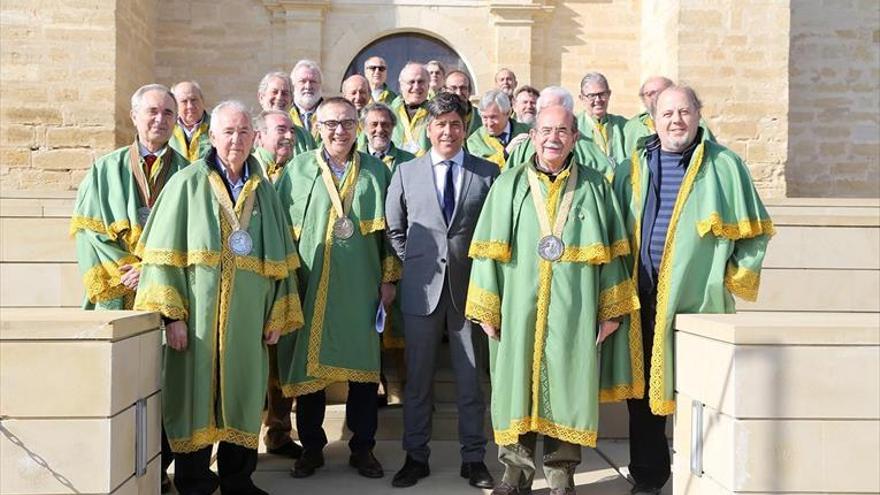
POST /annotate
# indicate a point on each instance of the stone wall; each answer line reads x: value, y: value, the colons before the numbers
x: 834, y: 135
x: 57, y: 106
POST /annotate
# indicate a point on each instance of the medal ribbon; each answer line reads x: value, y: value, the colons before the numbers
x: 539, y: 201
x: 603, y: 131
x: 410, y: 126
x: 342, y: 206
x: 243, y: 219
x: 148, y: 190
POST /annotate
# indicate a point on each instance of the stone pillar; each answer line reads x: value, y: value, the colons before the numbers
x: 736, y: 56
x: 514, y: 22
x: 297, y: 31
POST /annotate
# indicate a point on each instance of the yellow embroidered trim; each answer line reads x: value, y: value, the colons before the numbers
x: 636, y: 349
x: 483, y: 306
x: 304, y: 388
x: 619, y: 300
x: 621, y: 392
x: 370, y: 226
x: 224, y: 298
x: 180, y: 259
x: 547, y: 428
x: 103, y: 282
x: 595, y: 254
x: 120, y: 229
x: 392, y: 269
x: 286, y: 315
x: 744, y: 229
x: 657, y: 391
x: 293, y: 262
x: 493, y: 250
x: 742, y: 282
x: 163, y: 298
x: 78, y: 223
x: 271, y: 269
x: 208, y: 436
x: 295, y: 232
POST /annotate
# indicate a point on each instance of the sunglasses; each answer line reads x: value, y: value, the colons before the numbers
x: 380, y: 68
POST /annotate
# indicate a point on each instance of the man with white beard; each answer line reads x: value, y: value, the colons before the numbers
x: 306, y: 76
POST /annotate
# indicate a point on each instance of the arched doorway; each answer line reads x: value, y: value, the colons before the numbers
x: 399, y: 48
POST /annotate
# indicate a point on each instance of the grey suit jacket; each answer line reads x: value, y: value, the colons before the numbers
x: 432, y: 253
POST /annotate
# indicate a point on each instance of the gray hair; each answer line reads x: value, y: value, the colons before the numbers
x: 264, y: 82
x: 552, y: 92
x: 228, y: 105
x: 594, y: 77
x: 310, y: 65
x: 378, y: 107
x: 260, y: 120
x: 438, y: 64
x: 688, y: 91
x: 138, y: 95
x: 415, y: 64
x: 495, y: 97
x: 666, y: 82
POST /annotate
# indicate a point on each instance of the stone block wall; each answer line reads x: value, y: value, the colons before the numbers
x: 834, y: 134
x: 57, y: 105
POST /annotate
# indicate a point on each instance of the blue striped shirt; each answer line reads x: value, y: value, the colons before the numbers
x: 665, y: 171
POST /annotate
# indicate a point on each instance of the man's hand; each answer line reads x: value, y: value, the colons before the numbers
x: 175, y: 335
x: 491, y: 331
x: 272, y: 337
x: 387, y: 292
x: 606, y: 328
x: 515, y: 142
x: 130, y: 276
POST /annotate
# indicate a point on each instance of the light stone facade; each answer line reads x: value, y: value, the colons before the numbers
x: 789, y: 85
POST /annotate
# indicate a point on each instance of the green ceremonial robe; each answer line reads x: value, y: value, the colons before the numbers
x: 297, y: 119
x: 106, y: 226
x: 585, y: 151
x: 214, y: 390
x: 393, y: 336
x: 472, y: 121
x: 612, y: 142
x: 544, y: 369
x: 489, y: 147
x: 339, y: 279
x: 714, y: 249
x: 643, y: 125
x: 410, y: 134
x: 386, y: 96
x: 198, y: 144
x: 267, y: 163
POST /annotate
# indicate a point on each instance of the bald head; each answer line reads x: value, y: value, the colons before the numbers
x: 356, y: 89
x: 651, y: 88
x: 190, y: 102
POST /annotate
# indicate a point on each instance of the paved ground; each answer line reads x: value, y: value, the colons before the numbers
x: 599, y: 473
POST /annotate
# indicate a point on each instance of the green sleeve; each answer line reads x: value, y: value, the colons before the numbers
x: 742, y: 276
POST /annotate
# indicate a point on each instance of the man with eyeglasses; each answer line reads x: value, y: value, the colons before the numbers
x: 549, y: 286
x: 459, y: 84
x: 437, y: 77
x: 409, y: 109
x: 335, y: 201
x: 585, y: 150
x: 596, y: 124
x: 376, y: 72
x: 701, y: 233
x: 275, y: 92
x: 306, y: 77
x: 643, y: 124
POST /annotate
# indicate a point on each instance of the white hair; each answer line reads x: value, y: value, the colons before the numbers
x: 228, y: 105
x: 553, y: 93
x: 596, y: 77
x: 138, y: 95
x: 495, y: 97
x: 264, y: 82
x: 307, y: 64
x: 260, y: 120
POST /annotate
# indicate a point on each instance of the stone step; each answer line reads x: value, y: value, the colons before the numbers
x: 40, y: 285
x: 824, y: 248
x: 31, y: 240
x: 785, y: 289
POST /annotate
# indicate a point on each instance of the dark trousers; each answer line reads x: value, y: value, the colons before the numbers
x: 235, y: 464
x: 278, y: 407
x: 361, y: 417
x: 648, y: 447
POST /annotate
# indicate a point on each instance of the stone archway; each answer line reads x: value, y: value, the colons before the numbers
x: 399, y: 48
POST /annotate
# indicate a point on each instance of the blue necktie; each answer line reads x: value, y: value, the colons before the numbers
x: 448, y: 193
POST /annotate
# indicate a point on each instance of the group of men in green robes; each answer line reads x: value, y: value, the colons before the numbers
x: 584, y: 245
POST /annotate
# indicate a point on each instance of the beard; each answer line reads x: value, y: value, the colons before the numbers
x: 307, y: 101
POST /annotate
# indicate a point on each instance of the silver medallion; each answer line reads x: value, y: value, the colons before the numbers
x: 551, y: 247
x: 343, y: 228
x: 143, y: 214
x: 240, y: 242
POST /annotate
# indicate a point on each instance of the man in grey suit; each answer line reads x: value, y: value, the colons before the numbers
x: 431, y: 209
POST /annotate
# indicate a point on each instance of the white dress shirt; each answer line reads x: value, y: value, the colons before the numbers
x: 440, y: 174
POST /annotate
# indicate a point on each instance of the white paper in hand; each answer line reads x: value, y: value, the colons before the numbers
x: 380, y: 318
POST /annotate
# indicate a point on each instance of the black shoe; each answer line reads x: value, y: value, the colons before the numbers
x: 290, y: 449
x: 477, y: 474
x: 411, y: 472
x: 366, y: 464
x: 306, y: 465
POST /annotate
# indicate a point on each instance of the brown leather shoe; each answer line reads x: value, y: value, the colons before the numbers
x: 366, y: 464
